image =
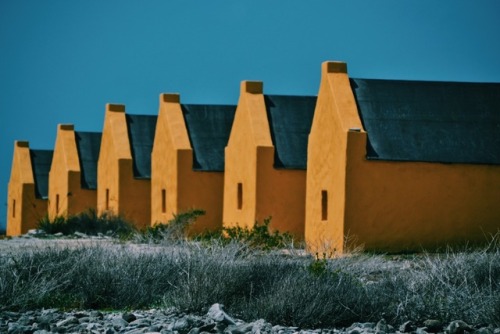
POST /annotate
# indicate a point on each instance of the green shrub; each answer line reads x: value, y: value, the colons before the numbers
x: 258, y: 236
x: 90, y: 223
x: 175, y: 230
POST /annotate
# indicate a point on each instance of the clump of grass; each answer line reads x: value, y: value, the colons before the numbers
x: 175, y: 230
x: 299, y: 291
x: 90, y: 223
x: 258, y: 237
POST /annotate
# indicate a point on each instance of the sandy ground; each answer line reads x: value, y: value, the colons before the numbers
x: 16, y: 243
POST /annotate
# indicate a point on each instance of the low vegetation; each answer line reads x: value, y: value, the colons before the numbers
x: 283, y: 286
x: 90, y: 223
x: 175, y: 230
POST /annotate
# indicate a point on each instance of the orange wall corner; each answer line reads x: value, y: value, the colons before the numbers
x: 253, y: 189
x: 171, y: 138
x: 118, y: 192
x: 250, y: 130
x: 176, y: 188
x: 65, y: 160
x: 24, y: 210
x: 335, y: 115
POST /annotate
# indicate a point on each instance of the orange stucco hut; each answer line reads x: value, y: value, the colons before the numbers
x: 265, y: 173
x: 28, y: 188
x: 402, y: 165
x: 73, y: 173
x: 188, y: 161
x: 124, y: 166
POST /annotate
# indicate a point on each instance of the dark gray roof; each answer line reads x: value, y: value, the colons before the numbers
x: 208, y: 127
x: 290, y: 119
x: 88, y: 145
x: 40, y: 163
x: 141, y: 132
x: 448, y: 122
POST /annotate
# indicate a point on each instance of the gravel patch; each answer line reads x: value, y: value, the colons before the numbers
x: 215, y: 321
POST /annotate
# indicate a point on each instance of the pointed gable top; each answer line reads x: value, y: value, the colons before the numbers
x: 448, y: 122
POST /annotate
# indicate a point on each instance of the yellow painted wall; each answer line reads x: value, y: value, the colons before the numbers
x: 27, y: 210
x: 65, y: 177
x: 393, y: 206
x: 266, y: 192
x: 172, y: 172
x: 118, y: 192
x: 335, y: 114
x: 383, y: 205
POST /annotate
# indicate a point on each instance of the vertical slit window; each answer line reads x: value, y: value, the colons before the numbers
x: 324, y: 205
x: 107, y: 199
x: 163, y: 201
x: 14, y: 208
x: 57, y: 204
x: 240, y: 196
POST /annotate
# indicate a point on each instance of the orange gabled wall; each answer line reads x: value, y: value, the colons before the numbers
x: 118, y: 192
x: 387, y: 205
x: 406, y: 206
x: 335, y: 115
x: 175, y: 187
x: 253, y: 189
x: 66, y: 195
x: 24, y: 209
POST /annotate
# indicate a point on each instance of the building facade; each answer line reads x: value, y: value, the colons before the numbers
x: 188, y: 161
x: 401, y: 165
x: 28, y: 188
x: 73, y: 172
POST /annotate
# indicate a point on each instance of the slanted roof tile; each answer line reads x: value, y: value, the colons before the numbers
x: 88, y: 145
x: 290, y: 119
x: 448, y: 122
x: 40, y: 163
x: 209, y: 127
x: 141, y: 130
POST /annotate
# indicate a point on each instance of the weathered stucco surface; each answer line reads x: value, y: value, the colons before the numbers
x: 176, y: 187
x: 383, y: 205
x: 66, y: 195
x: 24, y: 209
x: 253, y: 189
x: 118, y: 192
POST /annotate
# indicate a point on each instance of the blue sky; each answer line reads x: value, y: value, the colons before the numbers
x: 61, y: 61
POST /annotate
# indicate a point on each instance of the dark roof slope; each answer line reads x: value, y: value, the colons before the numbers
x: 208, y: 128
x: 141, y: 132
x: 290, y: 119
x: 448, y: 122
x: 88, y: 145
x: 40, y: 163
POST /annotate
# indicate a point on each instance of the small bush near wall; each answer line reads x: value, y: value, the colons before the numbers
x: 259, y: 236
x: 90, y: 223
x: 175, y: 230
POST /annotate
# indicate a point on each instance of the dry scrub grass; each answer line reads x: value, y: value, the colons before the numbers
x: 281, y: 288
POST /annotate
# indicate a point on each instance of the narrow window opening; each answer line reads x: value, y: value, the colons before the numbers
x: 107, y: 199
x: 163, y: 201
x: 240, y: 196
x: 14, y: 208
x: 57, y: 204
x: 324, y: 205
